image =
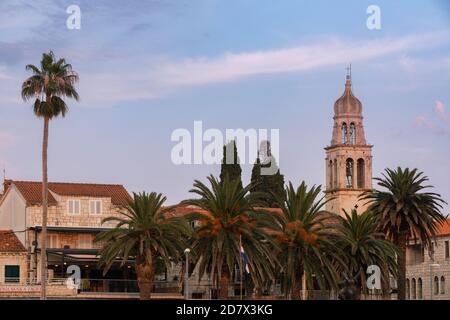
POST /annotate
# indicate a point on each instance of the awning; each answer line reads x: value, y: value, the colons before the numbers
x: 71, y: 229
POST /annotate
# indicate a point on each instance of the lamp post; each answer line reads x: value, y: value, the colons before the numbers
x: 431, y: 278
x: 186, y: 288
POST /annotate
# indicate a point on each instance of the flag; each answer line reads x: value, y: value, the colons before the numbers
x: 244, y: 259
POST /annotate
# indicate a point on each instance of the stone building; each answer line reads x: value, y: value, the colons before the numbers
x: 12, y: 258
x: 348, y: 159
x: 75, y: 213
x: 428, y: 271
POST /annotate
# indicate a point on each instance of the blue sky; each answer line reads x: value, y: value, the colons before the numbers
x: 149, y: 67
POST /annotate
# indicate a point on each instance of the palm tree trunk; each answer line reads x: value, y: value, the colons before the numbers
x: 297, y: 290
x: 297, y: 286
x: 224, y: 284
x: 401, y: 281
x: 44, y: 211
x: 385, y: 284
x: 145, y: 274
x: 258, y: 291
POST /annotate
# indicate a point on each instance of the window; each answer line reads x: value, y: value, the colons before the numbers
x: 73, y: 206
x: 344, y: 133
x: 12, y: 274
x: 413, y: 289
x: 407, y: 289
x: 419, y: 289
x: 335, y: 175
x: 436, y: 285
x: 361, y: 173
x: 52, y: 241
x: 352, y: 133
x: 447, y: 252
x: 330, y: 170
x: 415, y: 254
x: 95, y: 207
x: 349, y: 173
x: 442, y: 285
x: 84, y: 241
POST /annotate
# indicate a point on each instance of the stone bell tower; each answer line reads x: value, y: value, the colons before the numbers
x: 348, y: 157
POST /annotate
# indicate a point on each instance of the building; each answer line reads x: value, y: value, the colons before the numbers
x: 13, y: 258
x: 348, y: 159
x: 428, y: 271
x: 75, y: 213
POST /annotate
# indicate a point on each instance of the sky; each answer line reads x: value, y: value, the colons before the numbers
x: 148, y: 68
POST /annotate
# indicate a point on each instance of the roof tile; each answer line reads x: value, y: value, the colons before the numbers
x: 32, y: 191
x: 9, y: 242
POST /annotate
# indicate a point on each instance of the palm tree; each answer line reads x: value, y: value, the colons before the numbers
x: 145, y: 232
x: 225, y: 216
x: 303, y: 235
x: 48, y: 85
x: 363, y: 245
x: 404, y: 211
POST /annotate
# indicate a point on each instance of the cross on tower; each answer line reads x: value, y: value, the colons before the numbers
x: 349, y: 71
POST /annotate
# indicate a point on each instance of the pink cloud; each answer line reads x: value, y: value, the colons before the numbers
x: 422, y: 121
x: 440, y: 111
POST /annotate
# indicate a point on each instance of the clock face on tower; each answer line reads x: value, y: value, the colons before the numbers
x: 348, y: 157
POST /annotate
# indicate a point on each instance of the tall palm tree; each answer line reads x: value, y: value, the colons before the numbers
x: 303, y: 235
x: 145, y: 232
x: 363, y: 245
x: 405, y: 211
x: 49, y: 84
x: 226, y: 218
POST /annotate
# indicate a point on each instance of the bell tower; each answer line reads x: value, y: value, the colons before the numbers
x: 348, y: 158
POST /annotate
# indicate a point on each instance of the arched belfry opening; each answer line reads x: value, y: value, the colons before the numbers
x: 352, y: 133
x: 330, y: 175
x: 344, y: 133
x: 361, y: 173
x: 335, y: 174
x: 349, y: 156
x: 349, y: 168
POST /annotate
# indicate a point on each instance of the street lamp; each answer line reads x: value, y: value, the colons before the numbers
x: 186, y: 291
x: 431, y: 278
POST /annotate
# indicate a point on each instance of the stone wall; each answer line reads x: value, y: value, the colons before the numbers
x: 13, y: 259
x: 33, y: 291
x: 58, y: 215
x: 420, y: 272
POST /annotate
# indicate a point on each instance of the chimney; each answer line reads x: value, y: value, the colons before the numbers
x: 6, y: 184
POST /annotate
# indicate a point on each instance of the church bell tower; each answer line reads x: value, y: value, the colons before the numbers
x: 348, y: 157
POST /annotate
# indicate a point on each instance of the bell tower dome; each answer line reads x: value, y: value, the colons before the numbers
x: 348, y: 157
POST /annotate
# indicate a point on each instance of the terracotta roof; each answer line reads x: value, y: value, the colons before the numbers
x: 9, y: 242
x: 444, y: 229
x: 32, y: 191
x: 181, y: 210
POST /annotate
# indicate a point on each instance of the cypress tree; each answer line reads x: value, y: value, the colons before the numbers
x: 271, y: 185
x: 232, y: 170
x: 256, y: 176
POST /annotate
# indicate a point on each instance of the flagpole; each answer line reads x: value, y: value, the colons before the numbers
x: 240, y: 261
